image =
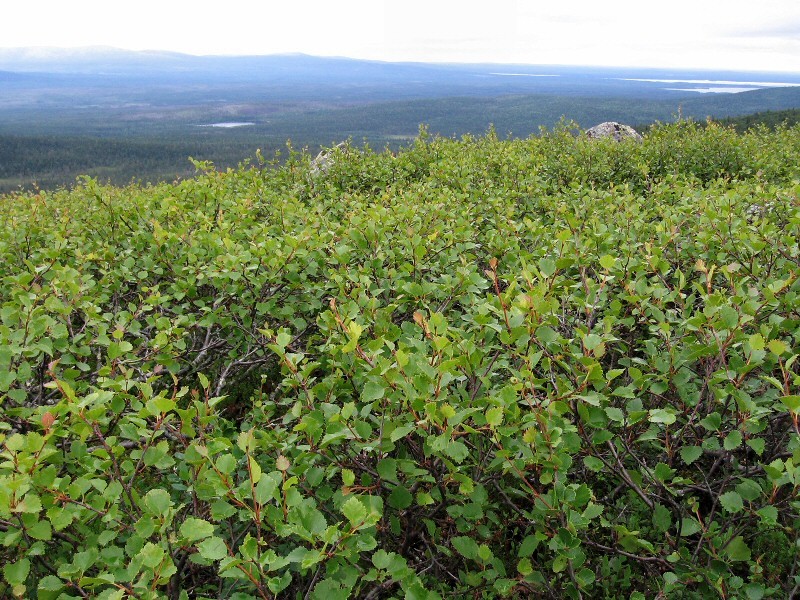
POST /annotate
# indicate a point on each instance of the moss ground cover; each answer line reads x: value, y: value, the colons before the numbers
x: 546, y: 367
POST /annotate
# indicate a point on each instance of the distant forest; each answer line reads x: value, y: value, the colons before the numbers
x: 56, y: 161
x: 47, y: 162
x: 770, y: 119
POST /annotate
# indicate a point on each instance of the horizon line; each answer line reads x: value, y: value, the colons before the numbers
x: 155, y: 51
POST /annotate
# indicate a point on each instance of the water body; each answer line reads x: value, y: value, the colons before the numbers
x: 716, y: 86
x: 229, y: 124
x: 522, y: 75
x: 757, y: 84
x: 715, y: 90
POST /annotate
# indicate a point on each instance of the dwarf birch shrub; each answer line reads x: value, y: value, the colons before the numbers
x: 545, y: 367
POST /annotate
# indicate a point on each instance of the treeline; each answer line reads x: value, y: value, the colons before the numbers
x: 55, y: 161
x: 770, y: 118
x: 162, y: 154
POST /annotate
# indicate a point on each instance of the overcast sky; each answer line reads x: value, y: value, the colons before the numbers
x: 719, y: 34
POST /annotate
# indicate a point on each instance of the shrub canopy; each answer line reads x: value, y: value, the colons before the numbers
x: 550, y: 367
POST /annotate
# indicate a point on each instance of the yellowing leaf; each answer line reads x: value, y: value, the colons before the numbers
x: 494, y: 416
x: 777, y: 347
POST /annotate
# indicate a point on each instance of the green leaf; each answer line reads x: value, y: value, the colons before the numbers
x: 348, y: 477
x: 754, y: 591
x: 730, y: 316
x: 400, y: 498
x: 104, y: 538
x: 277, y: 584
x: 547, y: 266
x: 354, y: 511
x: 162, y: 405
x: 16, y: 573
x: 663, y: 472
x: 731, y: 501
x: 457, y: 450
x: 712, y: 421
x: 529, y: 545
x: 689, y: 526
x: 777, y: 347
x: 662, y: 518
x: 733, y: 440
x: 372, y: 391
x: 607, y: 261
x: 737, y: 550
x: 387, y: 469
x: 524, y: 566
x: 30, y: 504
x: 546, y: 334
x: 689, y: 454
x: 749, y: 489
x: 401, y: 432
x: 768, y: 514
x: 466, y: 547
x: 593, y: 463
x: 213, y: 548
x: 414, y: 591
x: 560, y: 563
x: 221, y: 510
x: 757, y: 444
x: 494, y: 416
x: 592, y: 341
x: 355, y: 330
x: 50, y: 583
x: 283, y: 339
x: 382, y: 559
x: 312, y: 519
x: 792, y: 403
x: 585, y: 577
x: 625, y: 391
x: 225, y: 464
x: 593, y: 511
x: 615, y: 414
x: 157, y: 502
x: 151, y: 555
x: 60, y: 518
x: 255, y: 469
x: 194, y: 529
x: 757, y: 341
x: 6, y: 379
x: 447, y: 411
x: 662, y: 415
x: 265, y: 489
x: 485, y: 553
x: 203, y: 381
x: 41, y: 531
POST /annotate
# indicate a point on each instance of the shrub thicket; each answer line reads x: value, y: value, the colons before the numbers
x: 545, y: 367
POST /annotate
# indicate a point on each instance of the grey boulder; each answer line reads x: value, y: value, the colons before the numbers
x: 614, y: 130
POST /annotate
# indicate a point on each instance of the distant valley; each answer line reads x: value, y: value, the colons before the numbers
x: 122, y: 115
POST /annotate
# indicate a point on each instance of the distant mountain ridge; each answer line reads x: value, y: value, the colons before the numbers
x: 82, y: 59
x: 490, y: 78
x: 128, y: 114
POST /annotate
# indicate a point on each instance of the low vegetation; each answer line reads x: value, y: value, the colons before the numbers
x: 47, y: 148
x: 547, y: 367
x: 769, y: 118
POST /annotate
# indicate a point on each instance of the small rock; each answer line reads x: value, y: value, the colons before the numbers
x: 757, y: 211
x: 614, y: 130
x: 324, y: 160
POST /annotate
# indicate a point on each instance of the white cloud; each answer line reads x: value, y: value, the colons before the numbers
x: 679, y: 33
